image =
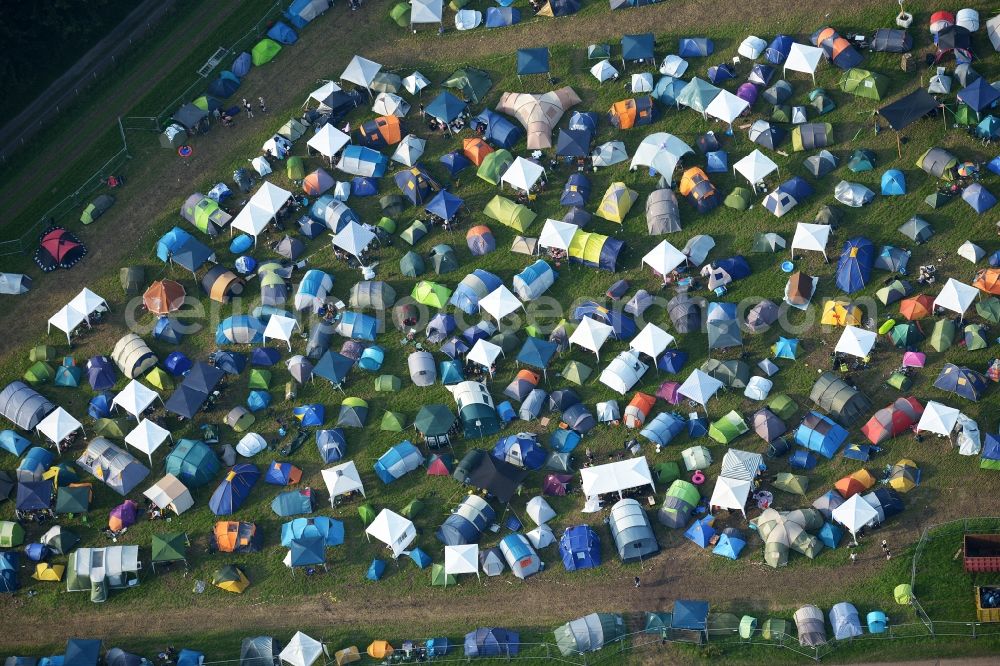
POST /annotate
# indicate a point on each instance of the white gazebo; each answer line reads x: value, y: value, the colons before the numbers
x: 342, y: 479
x: 87, y: 302
x: 700, y: 387
x: 651, y: 341
x: 755, y: 167
x: 354, y: 239
x: 664, y: 258
x: 522, y: 174
x: 280, y: 327
x: 66, y: 320
x: 462, y: 559
x: 392, y: 529
x: 302, y: 650
x: 856, y: 341
x: 939, y: 419
x: 557, y: 234
x: 361, y: 71
x: 727, y: 107
x: 147, y: 437
x: 57, y: 426
x: 811, y: 237
x: 485, y: 353
x: 956, y: 296
x: 591, y: 335
x: 499, y: 303
x: 731, y: 494
x: 804, y: 59
x: 854, y: 514
x: 135, y: 398
x: 328, y: 141
x: 616, y: 477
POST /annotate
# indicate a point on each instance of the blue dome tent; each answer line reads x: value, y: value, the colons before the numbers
x: 331, y: 444
x: 893, y: 183
x: 522, y: 449
x: 310, y: 415
x: 282, y: 33
x: 473, y: 287
x: 534, y: 280
x: 99, y: 406
x: 821, y: 434
x: 399, y: 460
x: 663, y: 428
x: 580, y: 548
x: 731, y: 543
x: 499, y: 131
x: 240, y: 329
x: 258, y: 400
x: 576, y: 191
x: 455, y: 162
x: 282, y: 474
x: 695, y: 47
x: 177, y: 363
x: 230, y: 495
x: 854, y: 270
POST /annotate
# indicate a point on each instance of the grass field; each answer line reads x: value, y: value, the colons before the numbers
x: 280, y: 600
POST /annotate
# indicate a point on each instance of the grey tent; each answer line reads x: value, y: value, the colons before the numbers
x: 842, y: 401
x: 724, y: 333
x: 767, y: 425
x: 191, y: 117
x: 112, y: 465
x: 532, y: 405
x: 290, y: 248
x: 778, y: 93
x: 845, y: 621
x: 491, y: 561
x: 811, y: 136
x: 761, y: 316
x: 132, y: 355
x: 632, y: 531
x: 24, y: 406
x: 697, y: 248
x: 662, y: 214
x: 373, y: 295
x: 732, y: 373
x: 891, y: 40
x: 300, y: 368
x: 937, y: 162
x: 854, y: 195
x: 811, y: 626
x: 119, y: 657
x: 412, y: 265
x: 639, y: 303
x: 259, y: 651
x: 577, y: 216
x: 685, y: 313
x: 589, y: 633
x: 917, y: 229
x: 821, y: 163
x: 828, y: 215
x: 320, y: 335
x: 443, y: 259
x: 423, y: 371
x: 133, y: 279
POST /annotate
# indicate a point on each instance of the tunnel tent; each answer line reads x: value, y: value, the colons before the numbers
x: 264, y: 51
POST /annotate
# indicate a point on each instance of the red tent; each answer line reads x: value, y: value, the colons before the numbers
x: 58, y: 248
x: 440, y: 466
x: 893, y: 420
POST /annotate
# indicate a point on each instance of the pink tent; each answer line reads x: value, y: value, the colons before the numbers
x: 668, y: 392
x: 912, y: 359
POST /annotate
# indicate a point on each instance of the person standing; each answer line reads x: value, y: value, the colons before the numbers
x: 854, y: 557
x: 637, y: 582
x: 263, y: 107
x: 248, y: 108
x: 885, y: 550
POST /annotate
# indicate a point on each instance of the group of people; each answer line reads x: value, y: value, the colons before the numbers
x: 453, y: 127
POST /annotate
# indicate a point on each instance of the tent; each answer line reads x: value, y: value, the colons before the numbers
x: 508, y: 213
x: 580, y: 548
x: 589, y: 633
x: 856, y: 342
x: 631, y: 531
x: 955, y: 296
x: 963, y: 382
x: 538, y: 113
x: 786, y: 531
x: 398, y: 461
x: 798, y: 57
x: 392, y: 529
x: 23, y: 406
x: 492, y: 642
x: 616, y: 202
x: 58, y: 248
x: 234, y: 489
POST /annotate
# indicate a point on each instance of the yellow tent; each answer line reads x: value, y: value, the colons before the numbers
x: 348, y: 655
x: 841, y: 313
x: 617, y: 202
x: 904, y: 476
x: 50, y: 572
x: 380, y: 650
x: 231, y: 579
x: 158, y: 378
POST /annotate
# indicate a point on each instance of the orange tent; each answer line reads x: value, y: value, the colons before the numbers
x: 380, y: 649
x: 916, y: 307
x: 624, y: 113
x: 988, y: 280
x: 164, y: 296
x: 638, y: 409
x: 528, y: 376
x: 384, y: 130
x: 232, y: 536
x: 476, y: 150
x: 691, y: 179
x: 854, y: 483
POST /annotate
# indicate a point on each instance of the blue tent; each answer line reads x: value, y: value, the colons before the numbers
x: 638, y: 47
x: 333, y: 366
x: 830, y: 534
x: 854, y: 270
x: 444, y: 204
x: 34, y: 463
x: 701, y: 531
x: 455, y: 348
x: 231, y: 363
x: 860, y: 452
x: 264, y: 356
x: 440, y: 327
x: 240, y: 329
x: 979, y: 94
x: 445, y: 107
x: 301, y: 12
x: 624, y: 327
x: 499, y: 131
x: 978, y: 197
x: 522, y: 449
x: 372, y: 359
x: 564, y: 440
x: 455, y: 161
x: 225, y: 86
x: 450, y: 372
x: 695, y: 47
x: 331, y: 444
x: 363, y: 161
x: 357, y: 326
x: 311, y: 228
x: 100, y: 405
x: 573, y: 143
x: 717, y: 74
x: 534, y: 280
x: 730, y: 544
x: 101, y: 373
x: 576, y: 191
x: 168, y: 329
x: 68, y: 376
x: 14, y: 444
x: 689, y: 615
x: 280, y: 473
x: 33, y: 495
x: 672, y: 360
x: 437, y: 647
x: 580, y: 548
x: 697, y: 427
x: 258, y: 399
x: 362, y: 186
x: 501, y: 17
x: 242, y: 64
x: 170, y: 243
x: 376, y: 570
x: 399, y: 460
x: 415, y: 184
x: 310, y: 415
x: 802, y: 459
x: 663, y: 428
x: 330, y: 530
x: 334, y: 213
x: 717, y: 161
x: 292, y: 503
x: 821, y: 434
x: 177, y: 363
x: 963, y: 382
x: 234, y: 489
x: 467, y: 523
x: 8, y: 574
x: 667, y: 89
x: 306, y: 552
x: 584, y: 120
x: 193, y: 462
x: 420, y: 558
x: 537, y: 352
x: 474, y: 286
x: 786, y: 348
x: 893, y: 183
x: 282, y: 33
x: 778, y: 49
x: 492, y: 642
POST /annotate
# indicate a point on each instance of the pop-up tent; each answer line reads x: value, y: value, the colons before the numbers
x: 392, y: 529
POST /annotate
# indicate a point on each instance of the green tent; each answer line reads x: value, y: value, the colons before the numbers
x: 903, y: 594
x: 412, y: 509
x: 412, y: 264
x: 510, y: 214
x: 783, y: 406
x: 748, y: 627
x: 738, y: 199
x: 728, y: 428
x: 899, y: 381
x: 812, y: 136
x: 295, y: 169
x: 69, y: 375
x: 439, y: 578
x: 576, y: 372
x: 657, y: 623
x: 11, y: 534
x: 666, y: 472
x: 413, y: 233
x: 473, y: 83
x: 976, y: 337
x: 722, y: 625
x: 73, y: 499
x: 684, y: 491
x: 431, y: 294
x: 393, y: 422
x: 943, y: 334
x: 456, y: 5
x: 260, y: 379
x: 792, y: 483
x: 781, y: 113
x: 42, y: 353
x: 39, y: 373
x: 989, y: 309
x: 589, y: 634
x: 264, y: 51
x: 864, y: 83
x: 387, y: 383
x: 112, y: 428
x: 169, y: 547
x: 906, y: 335
x: 387, y: 224
x: 367, y: 513
x: 776, y: 629
x: 160, y: 379
x: 494, y: 165
x: 936, y: 199
x: 434, y: 420
x: 964, y: 115
x: 400, y: 14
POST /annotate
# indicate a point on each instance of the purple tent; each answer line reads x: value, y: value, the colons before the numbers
x: 101, y: 373
x: 748, y: 93
x: 123, y: 516
x: 555, y: 484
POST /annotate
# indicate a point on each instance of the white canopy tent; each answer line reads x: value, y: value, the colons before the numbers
x: 651, y: 341
x: 700, y: 387
x: 280, y: 327
x: 804, y: 59
x: 661, y: 151
x: 664, y: 258
x: 390, y: 104
x: 956, y: 296
x: 462, y: 559
x: 328, y: 141
x: 354, y: 239
x: 415, y: 82
x: 484, y: 353
x: 320, y: 94
x: 591, y: 335
x: 727, y: 107
x: 810, y: 236
x: 170, y: 493
x: 392, y: 529
x: 854, y: 514
x: 856, y: 341
x: 260, y: 210
x: 135, y: 398
x: 731, y: 494
x: 361, y: 71
x: 557, y: 234
x: 147, y: 437
x: 616, y: 477
x: 522, y: 174
x: 66, y: 320
x: 302, y: 650
x: 500, y: 302
x: 57, y: 426
x: 939, y: 419
x: 426, y: 11
x: 87, y: 302
x: 342, y: 479
x: 755, y: 167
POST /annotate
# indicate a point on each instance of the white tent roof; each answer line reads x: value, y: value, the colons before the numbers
x: 699, y: 386
x: 415, y: 82
x: 251, y: 220
x: 624, y: 371
x: 803, y: 58
x: 755, y: 167
x: 664, y: 258
x: 301, y: 650
x: 752, y: 47
x: 642, y: 82
x: 393, y: 530
x: 609, y: 153
x: 522, y: 174
x: 856, y: 341
x: 87, y: 302
x: 727, y: 107
x: 280, y: 327
x: 324, y: 91
x: 251, y: 444
x: 651, y: 341
x: 67, y: 319
x: 147, y: 437
x: 661, y: 151
x: 270, y: 198
x: 426, y: 11
x: 810, y: 236
x: 409, y: 150
x: 855, y: 513
x: 956, y: 296
x: 603, y: 71
x: 938, y: 418
x: 390, y: 104
x: 484, y: 353
x: 967, y: 250
x: 58, y: 425
x: 673, y: 65
x: 354, y: 238
x: 541, y: 537
x: 591, y: 334
x: 343, y: 479
x: 500, y: 302
x: 461, y: 559
x: 616, y: 476
x: 328, y: 141
x: 360, y: 71
x: 170, y: 492
x: 539, y: 510
x: 135, y: 398
x: 557, y: 234
x: 731, y: 494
